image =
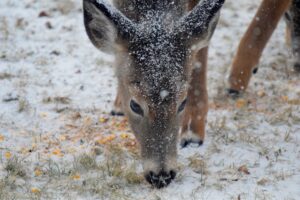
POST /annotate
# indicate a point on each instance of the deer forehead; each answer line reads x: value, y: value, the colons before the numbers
x: 165, y: 93
x: 158, y: 62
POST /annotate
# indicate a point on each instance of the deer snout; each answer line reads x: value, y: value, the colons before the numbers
x: 161, y: 179
x: 160, y: 174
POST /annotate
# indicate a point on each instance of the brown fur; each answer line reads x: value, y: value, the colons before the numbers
x: 288, y: 38
x: 254, y: 41
x: 194, y: 119
x: 161, y: 75
x: 197, y: 108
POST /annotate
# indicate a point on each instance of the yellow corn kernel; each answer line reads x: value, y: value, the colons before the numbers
x: 1, y: 138
x: 76, y: 177
x: 37, y: 172
x: 7, y: 155
x: 240, y: 103
x: 35, y: 190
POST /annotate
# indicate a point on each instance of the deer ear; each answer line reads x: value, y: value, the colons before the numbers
x: 201, y: 38
x: 200, y: 23
x: 99, y: 28
x: 104, y: 24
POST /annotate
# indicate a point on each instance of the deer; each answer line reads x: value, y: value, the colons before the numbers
x: 256, y: 37
x: 161, y: 49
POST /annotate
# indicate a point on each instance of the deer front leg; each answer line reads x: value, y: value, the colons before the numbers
x: 117, y: 110
x: 292, y: 17
x: 193, y: 129
x: 253, y: 43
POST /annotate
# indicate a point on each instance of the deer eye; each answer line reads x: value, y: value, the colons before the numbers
x: 136, y: 108
x: 182, y: 106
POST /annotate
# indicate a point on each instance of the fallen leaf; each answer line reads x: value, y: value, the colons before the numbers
x: 71, y: 150
x: 35, y: 190
x: 285, y: 98
x: 7, y: 155
x: 294, y: 102
x: 1, y: 138
x: 62, y: 138
x: 71, y: 126
x: 244, y: 169
x: 33, y: 145
x: 87, y: 121
x: 240, y: 103
x: 76, y: 177
x: 43, y: 14
x: 103, y: 120
x: 43, y: 114
x: 124, y: 135
x: 101, y: 141
x: 76, y: 116
x: 57, y: 152
x: 24, y: 150
x: 262, y: 181
x: 261, y: 93
x: 106, y: 139
x: 111, y: 137
x: 37, y: 172
x: 130, y: 144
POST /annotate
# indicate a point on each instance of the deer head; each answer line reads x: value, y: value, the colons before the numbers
x: 153, y: 69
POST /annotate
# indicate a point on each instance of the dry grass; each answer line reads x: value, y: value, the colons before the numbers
x: 111, y: 170
x: 58, y: 99
x: 4, y: 28
x: 198, y: 164
x: 99, y: 177
x: 14, y: 179
x: 5, y: 75
x: 249, y: 138
x: 86, y: 162
x: 15, y: 167
x: 220, y: 129
x: 23, y: 105
x: 286, y: 116
x: 112, y: 173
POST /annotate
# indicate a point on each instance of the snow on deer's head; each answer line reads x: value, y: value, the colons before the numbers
x: 153, y: 69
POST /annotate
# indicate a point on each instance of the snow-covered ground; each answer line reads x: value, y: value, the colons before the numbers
x: 58, y: 141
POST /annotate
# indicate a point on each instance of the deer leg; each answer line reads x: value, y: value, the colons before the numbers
x: 253, y: 42
x: 288, y: 33
x: 117, y: 110
x: 193, y: 129
x: 293, y: 31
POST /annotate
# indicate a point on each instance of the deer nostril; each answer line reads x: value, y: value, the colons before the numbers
x: 173, y: 174
x: 149, y: 177
x: 160, y: 180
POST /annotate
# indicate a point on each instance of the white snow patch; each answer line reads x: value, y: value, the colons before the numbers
x: 163, y: 94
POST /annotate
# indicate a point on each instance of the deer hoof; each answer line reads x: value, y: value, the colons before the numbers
x: 160, y: 180
x: 189, y: 139
x: 233, y: 93
x: 184, y: 143
x: 254, y: 71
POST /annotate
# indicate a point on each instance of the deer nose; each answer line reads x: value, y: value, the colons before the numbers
x: 160, y: 180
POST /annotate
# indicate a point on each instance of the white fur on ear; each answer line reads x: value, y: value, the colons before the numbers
x: 205, y: 38
x: 100, y: 30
